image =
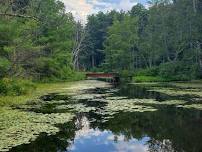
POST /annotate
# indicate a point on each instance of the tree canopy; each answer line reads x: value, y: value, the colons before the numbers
x: 36, y: 40
x: 40, y: 40
x: 166, y: 35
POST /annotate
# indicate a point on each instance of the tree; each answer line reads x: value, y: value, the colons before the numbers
x: 120, y: 44
x: 96, y: 32
x: 37, y: 39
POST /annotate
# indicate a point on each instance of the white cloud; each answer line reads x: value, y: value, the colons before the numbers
x: 79, y: 8
x: 127, y: 147
x: 82, y: 8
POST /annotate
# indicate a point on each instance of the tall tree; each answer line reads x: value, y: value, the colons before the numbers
x: 120, y: 44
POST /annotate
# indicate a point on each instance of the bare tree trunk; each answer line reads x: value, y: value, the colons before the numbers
x: 80, y: 36
x: 150, y: 62
x: 18, y: 15
x: 198, y: 47
x: 133, y: 59
x: 93, y: 61
x: 195, y: 5
x: 145, y: 61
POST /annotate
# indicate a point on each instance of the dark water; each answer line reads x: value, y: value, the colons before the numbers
x: 169, y: 129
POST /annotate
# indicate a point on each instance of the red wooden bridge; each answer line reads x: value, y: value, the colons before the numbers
x: 112, y: 76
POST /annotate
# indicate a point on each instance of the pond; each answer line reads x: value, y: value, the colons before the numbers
x: 125, y: 118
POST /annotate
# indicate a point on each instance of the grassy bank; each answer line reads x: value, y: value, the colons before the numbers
x: 15, y: 91
x: 149, y: 79
x: 40, y: 89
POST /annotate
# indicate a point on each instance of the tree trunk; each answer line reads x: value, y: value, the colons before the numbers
x: 93, y: 61
x: 195, y: 5
x: 18, y: 15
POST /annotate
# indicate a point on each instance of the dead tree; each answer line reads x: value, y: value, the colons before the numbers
x: 79, y: 38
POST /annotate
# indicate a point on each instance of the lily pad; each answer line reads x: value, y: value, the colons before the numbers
x: 18, y: 127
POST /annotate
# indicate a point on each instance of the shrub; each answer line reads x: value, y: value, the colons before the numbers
x: 126, y: 75
x: 76, y: 76
x: 15, y: 87
x: 3, y: 88
x: 4, y: 66
x: 171, y: 71
x: 153, y: 71
x: 149, y: 79
x: 179, y: 71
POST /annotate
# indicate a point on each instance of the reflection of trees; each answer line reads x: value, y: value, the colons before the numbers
x: 160, y: 146
x: 142, y: 92
x: 180, y: 127
x: 169, y: 130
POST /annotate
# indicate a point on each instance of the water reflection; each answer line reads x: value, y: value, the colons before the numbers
x: 167, y: 130
x: 90, y: 140
x: 142, y: 92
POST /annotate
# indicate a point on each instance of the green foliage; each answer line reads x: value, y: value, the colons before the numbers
x: 126, y: 75
x: 76, y: 76
x: 15, y: 87
x: 164, y: 40
x: 93, y: 54
x: 179, y: 71
x: 173, y: 71
x: 4, y: 66
x: 148, y: 75
x: 147, y: 72
x: 149, y: 79
x: 38, y: 48
x: 119, y: 45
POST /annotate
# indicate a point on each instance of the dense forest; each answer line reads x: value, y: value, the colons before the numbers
x: 36, y: 40
x: 41, y: 41
x: 165, y: 40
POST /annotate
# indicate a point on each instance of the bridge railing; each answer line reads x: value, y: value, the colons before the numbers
x: 114, y: 77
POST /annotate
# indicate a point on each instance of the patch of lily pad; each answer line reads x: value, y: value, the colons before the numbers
x: 178, y: 92
x: 18, y: 127
x: 126, y: 106
x: 81, y: 86
x: 88, y: 96
x: 75, y: 108
x: 147, y: 101
x: 116, y: 98
x: 191, y: 106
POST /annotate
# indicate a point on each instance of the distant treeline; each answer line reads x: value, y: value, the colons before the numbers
x: 165, y: 39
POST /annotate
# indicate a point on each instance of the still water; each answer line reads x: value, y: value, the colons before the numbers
x: 168, y: 129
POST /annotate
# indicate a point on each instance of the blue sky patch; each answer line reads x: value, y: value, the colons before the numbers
x: 82, y: 8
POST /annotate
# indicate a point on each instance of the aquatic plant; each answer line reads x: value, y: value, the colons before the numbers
x: 191, y: 106
x: 178, y: 92
x: 126, y: 106
x: 18, y: 127
x: 75, y: 108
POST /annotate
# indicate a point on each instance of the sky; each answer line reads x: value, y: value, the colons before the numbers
x: 82, y: 8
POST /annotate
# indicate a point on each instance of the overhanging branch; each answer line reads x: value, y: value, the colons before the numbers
x: 19, y: 15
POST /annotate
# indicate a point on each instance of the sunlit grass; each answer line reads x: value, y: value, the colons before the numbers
x: 149, y: 79
x: 41, y: 89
